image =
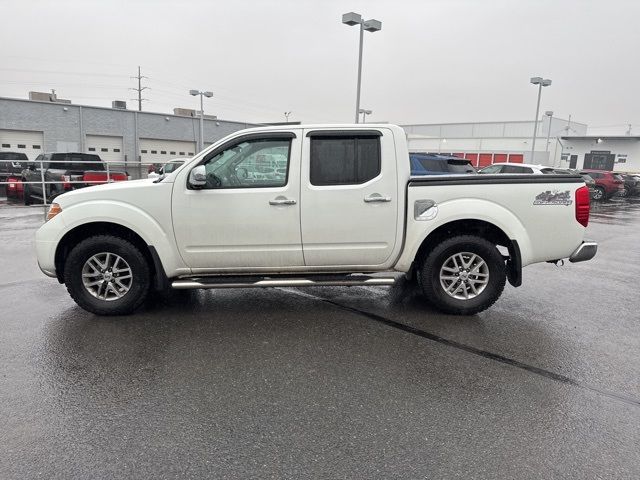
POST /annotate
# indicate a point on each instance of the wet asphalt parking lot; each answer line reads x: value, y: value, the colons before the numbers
x: 361, y: 382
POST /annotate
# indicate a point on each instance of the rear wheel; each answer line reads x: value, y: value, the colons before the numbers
x: 107, y: 275
x: 463, y: 275
x: 598, y: 193
x: 624, y: 192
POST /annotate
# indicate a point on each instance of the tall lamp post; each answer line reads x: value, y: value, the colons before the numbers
x: 286, y: 116
x: 372, y: 25
x: 202, y: 95
x: 364, y: 114
x: 541, y: 82
x: 549, y: 114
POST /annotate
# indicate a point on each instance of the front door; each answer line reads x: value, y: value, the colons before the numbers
x: 247, y: 217
x: 349, y: 199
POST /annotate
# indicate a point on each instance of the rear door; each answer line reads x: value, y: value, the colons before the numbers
x: 349, y: 195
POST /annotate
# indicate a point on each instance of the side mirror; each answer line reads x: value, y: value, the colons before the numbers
x: 198, y: 177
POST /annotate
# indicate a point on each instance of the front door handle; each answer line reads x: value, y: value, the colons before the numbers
x: 280, y: 200
x: 376, y: 197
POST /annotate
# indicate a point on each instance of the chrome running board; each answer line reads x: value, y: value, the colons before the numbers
x: 267, y: 282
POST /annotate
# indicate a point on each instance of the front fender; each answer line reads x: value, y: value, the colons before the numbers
x: 129, y: 216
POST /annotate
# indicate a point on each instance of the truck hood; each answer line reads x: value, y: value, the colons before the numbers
x: 118, y: 191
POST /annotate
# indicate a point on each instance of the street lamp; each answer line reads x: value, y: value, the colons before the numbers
x: 372, y: 25
x: 286, y: 116
x: 364, y: 114
x: 541, y: 82
x: 549, y: 114
x: 202, y: 94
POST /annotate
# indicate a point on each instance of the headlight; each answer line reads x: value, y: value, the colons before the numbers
x: 54, y: 210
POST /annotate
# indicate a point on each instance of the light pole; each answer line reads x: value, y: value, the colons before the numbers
x: 549, y: 114
x: 364, y: 114
x: 372, y: 25
x: 202, y: 94
x: 541, y: 82
x: 286, y: 116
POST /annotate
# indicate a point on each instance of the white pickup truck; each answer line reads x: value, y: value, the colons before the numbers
x: 310, y: 206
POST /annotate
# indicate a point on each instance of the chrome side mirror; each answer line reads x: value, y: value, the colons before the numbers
x: 198, y: 177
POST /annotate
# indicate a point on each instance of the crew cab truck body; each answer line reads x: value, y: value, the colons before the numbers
x: 310, y: 205
x: 51, y: 174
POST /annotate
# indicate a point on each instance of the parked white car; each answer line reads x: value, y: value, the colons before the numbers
x: 168, y: 167
x: 504, y: 167
x: 311, y: 205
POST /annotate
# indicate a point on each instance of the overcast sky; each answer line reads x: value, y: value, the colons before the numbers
x: 434, y: 60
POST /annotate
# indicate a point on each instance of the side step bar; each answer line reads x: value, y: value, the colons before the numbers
x: 266, y: 282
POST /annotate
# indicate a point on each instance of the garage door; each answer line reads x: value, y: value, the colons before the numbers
x: 30, y: 143
x: 161, y: 151
x: 108, y: 148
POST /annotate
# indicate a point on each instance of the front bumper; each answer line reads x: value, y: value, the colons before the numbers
x: 586, y: 251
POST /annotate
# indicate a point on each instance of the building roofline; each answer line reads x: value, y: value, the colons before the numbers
x: 603, y: 137
x: 484, y: 123
x: 72, y: 105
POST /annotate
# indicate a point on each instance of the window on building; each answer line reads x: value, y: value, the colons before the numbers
x: 6, y: 145
x: 143, y: 151
x: 163, y: 152
x: 344, y: 160
x: 92, y: 149
x: 21, y: 146
x: 172, y: 153
x: 154, y: 151
x: 104, y: 149
x: 116, y: 150
x: 181, y: 153
x: 35, y: 147
x: 190, y: 153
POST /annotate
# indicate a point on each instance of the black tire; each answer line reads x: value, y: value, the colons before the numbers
x: 26, y: 194
x: 624, y: 192
x: 599, y: 193
x: 141, y: 275
x: 434, y: 290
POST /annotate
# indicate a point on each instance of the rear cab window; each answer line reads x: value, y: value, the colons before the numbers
x: 76, y: 161
x: 344, y: 159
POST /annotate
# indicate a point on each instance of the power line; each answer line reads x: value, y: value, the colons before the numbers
x: 140, y: 89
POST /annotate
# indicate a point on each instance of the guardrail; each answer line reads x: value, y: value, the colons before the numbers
x: 14, y: 174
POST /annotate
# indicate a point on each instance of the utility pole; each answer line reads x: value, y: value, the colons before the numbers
x: 286, y: 116
x: 629, y: 131
x: 140, y: 89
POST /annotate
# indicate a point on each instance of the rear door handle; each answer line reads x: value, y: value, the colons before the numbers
x: 280, y: 200
x: 376, y: 197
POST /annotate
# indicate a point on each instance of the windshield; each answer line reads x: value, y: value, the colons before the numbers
x: 170, y: 167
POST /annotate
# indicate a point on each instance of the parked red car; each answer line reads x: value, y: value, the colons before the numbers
x: 608, y: 183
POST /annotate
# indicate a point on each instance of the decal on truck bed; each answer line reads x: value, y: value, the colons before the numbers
x: 553, y: 198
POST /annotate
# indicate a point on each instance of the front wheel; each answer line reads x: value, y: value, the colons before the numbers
x: 463, y: 275
x: 107, y: 275
x: 26, y: 193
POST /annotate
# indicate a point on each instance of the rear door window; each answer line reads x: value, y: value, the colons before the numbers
x: 344, y: 160
x: 492, y: 169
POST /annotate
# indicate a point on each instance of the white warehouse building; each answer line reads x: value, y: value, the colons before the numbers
x: 485, y: 143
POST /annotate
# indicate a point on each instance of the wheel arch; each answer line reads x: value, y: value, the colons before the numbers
x: 90, y: 229
x: 482, y: 229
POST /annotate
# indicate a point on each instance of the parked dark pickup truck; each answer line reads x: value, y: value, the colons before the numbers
x: 11, y: 163
x: 63, y: 172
